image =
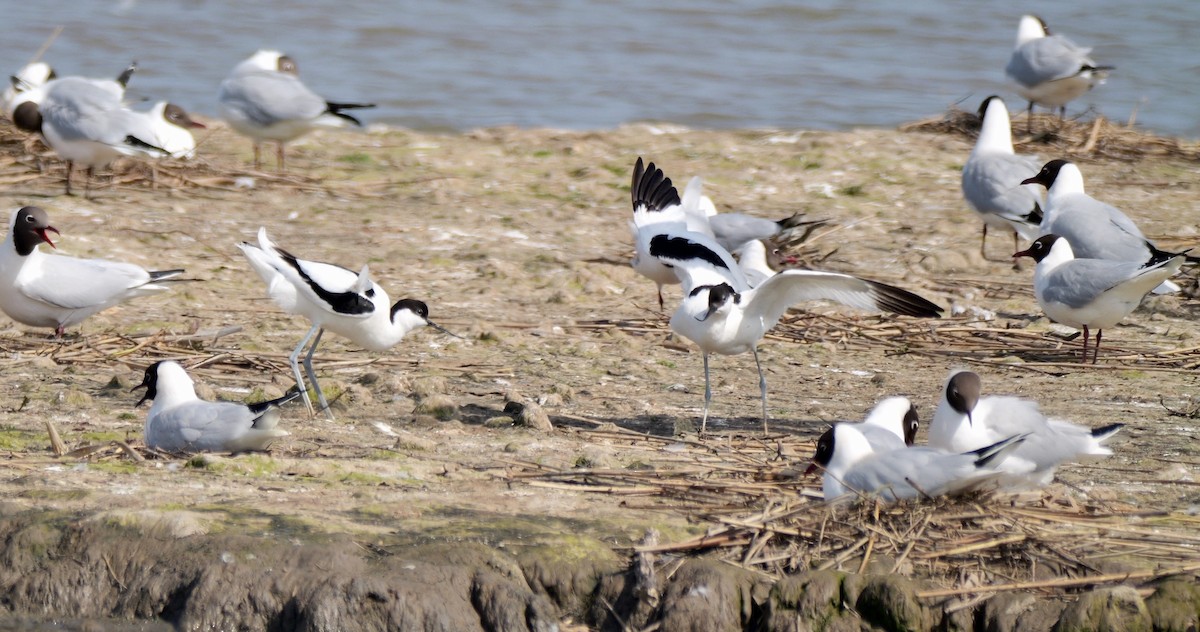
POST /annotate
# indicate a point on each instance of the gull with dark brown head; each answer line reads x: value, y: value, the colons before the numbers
x: 179, y: 421
x: 48, y: 290
x: 851, y: 465
x: 1051, y: 70
x: 967, y: 420
x: 1093, y: 293
x: 1095, y: 230
x: 263, y: 98
x: 171, y: 125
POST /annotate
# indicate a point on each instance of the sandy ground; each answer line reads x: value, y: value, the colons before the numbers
x: 518, y: 241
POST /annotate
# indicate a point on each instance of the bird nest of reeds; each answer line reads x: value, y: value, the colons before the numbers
x: 766, y: 516
x: 1086, y: 135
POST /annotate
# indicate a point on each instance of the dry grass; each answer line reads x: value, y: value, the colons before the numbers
x: 767, y: 516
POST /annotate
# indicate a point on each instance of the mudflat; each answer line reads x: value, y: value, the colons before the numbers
x: 518, y: 241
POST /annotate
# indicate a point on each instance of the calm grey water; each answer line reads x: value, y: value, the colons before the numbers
x: 459, y: 64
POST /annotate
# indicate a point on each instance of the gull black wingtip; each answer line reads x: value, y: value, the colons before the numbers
x: 336, y: 110
x: 1158, y: 256
x: 1104, y: 432
x: 134, y: 141
x: 127, y: 74
x: 262, y: 407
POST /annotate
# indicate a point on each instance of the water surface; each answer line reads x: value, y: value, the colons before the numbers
x: 459, y: 64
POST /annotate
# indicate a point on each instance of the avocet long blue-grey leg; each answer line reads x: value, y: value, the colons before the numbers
x: 707, y: 396
x: 345, y: 302
x: 762, y: 388
x: 294, y: 360
x: 312, y: 375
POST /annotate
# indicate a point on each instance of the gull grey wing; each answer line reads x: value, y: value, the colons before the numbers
x: 72, y: 283
x: 733, y: 230
x: 267, y: 98
x: 1082, y: 280
x: 1046, y: 59
x: 992, y: 184
x: 199, y: 426
x: 1096, y: 230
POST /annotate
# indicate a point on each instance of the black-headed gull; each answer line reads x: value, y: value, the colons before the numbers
x: 965, y: 421
x: 48, y: 290
x: 29, y: 88
x: 170, y: 124
x: 1093, y: 293
x: 25, y: 86
x: 85, y: 123
x: 851, y: 465
x: 891, y: 424
x: 1095, y: 230
x: 755, y: 262
x: 179, y: 421
x: 345, y: 302
x: 1050, y: 70
x: 992, y: 179
x: 263, y: 98
x: 723, y: 314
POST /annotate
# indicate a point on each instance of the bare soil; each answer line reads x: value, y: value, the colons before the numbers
x: 518, y: 241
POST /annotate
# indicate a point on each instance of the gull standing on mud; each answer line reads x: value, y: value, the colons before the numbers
x: 84, y: 122
x: 345, y: 302
x: 47, y: 290
x: 263, y: 98
x: 1094, y: 229
x: 1093, y: 293
x: 992, y: 179
x: 179, y: 421
x: 965, y: 421
x: 851, y: 465
x: 1050, y: 70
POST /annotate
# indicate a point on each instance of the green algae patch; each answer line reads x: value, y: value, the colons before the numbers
x: 815, y: 598
x: 55, y: 494
x: 568, y: 569
x: 20, y: 440
x: 1117, y: 609
x: 1175, y: 605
